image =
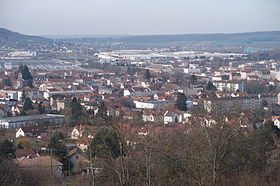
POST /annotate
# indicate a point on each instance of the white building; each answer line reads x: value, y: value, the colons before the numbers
x: 49, y: 94
x: 232, y: 86
x: 277, y: 123
x: 12, y: 94
x: 151, y: 104
x: 19, y: 121
x: 22, y: 54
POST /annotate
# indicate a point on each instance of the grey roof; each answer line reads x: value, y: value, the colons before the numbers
x: 30, y: 117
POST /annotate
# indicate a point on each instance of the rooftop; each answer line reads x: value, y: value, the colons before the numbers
x: 30, y: 117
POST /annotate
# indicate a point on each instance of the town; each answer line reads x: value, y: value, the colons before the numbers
x: 139, y: 93
x: 55, y: 112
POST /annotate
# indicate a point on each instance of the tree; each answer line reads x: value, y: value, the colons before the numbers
x: 7, y: 82
x: 13, y: 175
x: 28, y: 83
x: 106, y: 144
x: 26, y: 76
x: 75, y: 112
x: 23, y: 96
x: 264, y: 103
x: 181, y: 102
x: 147, y: 74
x: 193, y: 78
x: 24, y: 143
x: 117, y: 161
x: 210, y: 86
x: 41, y: 109
x: 269, y: 128
x: 56, y: 148
x: 256, y: 87
x: 102, y: 111
x: 217, y: 155
x: 7, y: 149
x: 24, y: 70
x: 27, y: 105
x: 225, y: 77
x: 131, y: 70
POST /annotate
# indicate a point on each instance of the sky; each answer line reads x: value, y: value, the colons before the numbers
x: 138, y: 17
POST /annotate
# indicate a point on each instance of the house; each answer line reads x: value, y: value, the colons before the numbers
x: 78, y: 160
x: 77, y: 132
x: 9, y: 102
x: 276, y: 121
x: 80, y: 131
x: 11, y: 94
x: 62, y: 104
x: 172, y: 117
x: 152, y: 115
x: 25, y: 152
x: 208, y: 122
x: 32, y: 131
x: 41, y: 162
x: 148, y: 116
x: 175, y: 116
x: 137, y: 91
x: 129, y: 115
x: 3, y: 112
x: 83, y: 143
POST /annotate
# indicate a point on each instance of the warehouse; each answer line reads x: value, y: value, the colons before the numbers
x: 19, y: 121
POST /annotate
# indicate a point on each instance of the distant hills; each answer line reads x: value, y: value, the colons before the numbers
x: 17, y: 40
x: 250, y: 37
x: 255, y: 39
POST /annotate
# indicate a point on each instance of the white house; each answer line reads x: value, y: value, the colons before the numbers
x: 175, y: 116
x: 77, y: 132
x: 138, y: 91
x: 148, y: 117
x: 12, y: 94
x: 151, y: 104
x: 277, y: 123
x: 32, y: 131
x: 172, y: 117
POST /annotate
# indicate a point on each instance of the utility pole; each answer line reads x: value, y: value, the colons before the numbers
x: 148, y: 158
x: 51, y: 166
x: 91, y: 166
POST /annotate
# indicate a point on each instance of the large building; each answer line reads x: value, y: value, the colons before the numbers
x: 236, y: 104
x: 152, y: 104
x: 19, y: 121
x: 232, y: 86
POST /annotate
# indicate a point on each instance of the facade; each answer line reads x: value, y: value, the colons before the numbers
x: 237, y: 103
x: 19, y: 121
x: 31, y: 131
x: 77, y: 132
x: 277, y: 123
x: 275, y: 75
x: 49, y: 94
x: 172, y: 117
x: 232, y: 86
x: 151, y: 104
x: 11, y: 94
x: 193, y: 70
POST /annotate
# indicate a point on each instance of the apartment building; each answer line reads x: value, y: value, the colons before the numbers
x: 232, y: 86
x: 233, y: 104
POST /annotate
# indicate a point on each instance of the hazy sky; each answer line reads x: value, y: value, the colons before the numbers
x: 99, y: 17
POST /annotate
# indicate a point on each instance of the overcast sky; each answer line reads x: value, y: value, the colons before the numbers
x: 107, y: 17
